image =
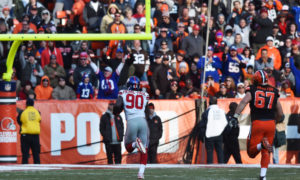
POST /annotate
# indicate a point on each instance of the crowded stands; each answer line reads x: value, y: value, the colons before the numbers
x: 244, y: 36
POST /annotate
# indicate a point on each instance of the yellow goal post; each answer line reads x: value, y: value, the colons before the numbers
x: 18, y: 38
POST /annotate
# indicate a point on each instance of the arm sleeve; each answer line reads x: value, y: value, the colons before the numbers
x: 41, y: 73
x: 118, y: 107
x: 217, y: 64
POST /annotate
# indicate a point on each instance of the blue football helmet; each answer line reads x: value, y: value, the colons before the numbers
x: 133, y: 83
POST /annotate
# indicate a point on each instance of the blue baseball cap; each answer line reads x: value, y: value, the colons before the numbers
x: 120, y: 50
x: 233, y: 48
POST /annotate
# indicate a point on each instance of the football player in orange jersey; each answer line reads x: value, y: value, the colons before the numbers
x: 265, y: 109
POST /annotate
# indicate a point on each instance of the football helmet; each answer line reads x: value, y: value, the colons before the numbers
x: 133, y: 83
x: 260, y: 77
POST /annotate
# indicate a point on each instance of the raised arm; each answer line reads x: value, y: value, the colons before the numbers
x: 279, y: 113
x: 118, y: 107
x: 242, y: 104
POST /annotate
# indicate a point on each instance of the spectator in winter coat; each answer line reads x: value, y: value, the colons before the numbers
x: 47, y: 52
x: 193, y: 44
x: 31, y: 70
x: 173, y: 93
x: 156, y: 130
x: 217, y: 8
x: 53, y: 70
x: 109, y: 17
x: 168, y: 22
x: 264, y: 61
x: 161, y: 78
x: 93, y: 13
x: 263, y: 28
x: 112, y: 130
x: 163, y: 36
x: 62, y: 91
x: 44, y: 90
x: 83, y: 69
x: 273, y: 52
x: 26, y: 92
x: 223, y: 93
x: 244, y: 30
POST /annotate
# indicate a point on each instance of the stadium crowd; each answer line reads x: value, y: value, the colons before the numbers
x: 244, y: 36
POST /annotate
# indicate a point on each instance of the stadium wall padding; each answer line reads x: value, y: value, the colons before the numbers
x: 67, y: 126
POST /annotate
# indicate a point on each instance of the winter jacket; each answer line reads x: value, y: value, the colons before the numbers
x: 108, y: 18
x: 263, y: 28
x: 273, y: 53
x: 49, y: 71
x: 93, y: 18
x: 155, y: 128
x: 46, y: 53
x: 160, y: 80
x: 193, y: 45
x: 43, y: 93
x: 80, y: 71
x: 105, y: 127
x: 63, y: 93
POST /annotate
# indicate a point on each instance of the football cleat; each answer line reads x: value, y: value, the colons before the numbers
x: 141, y: 176
x: 262, y: 178
x: 266, y: 145
x: 140, y: 146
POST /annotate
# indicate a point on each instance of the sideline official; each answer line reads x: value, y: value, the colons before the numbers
x: 29, y: 121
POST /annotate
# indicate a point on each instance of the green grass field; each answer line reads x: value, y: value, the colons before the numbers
x: 155, y: 173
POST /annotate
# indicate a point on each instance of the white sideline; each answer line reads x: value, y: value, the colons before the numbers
x: 132, y: 166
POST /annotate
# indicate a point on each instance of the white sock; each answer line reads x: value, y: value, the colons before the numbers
x: 142, y: 168
x: 258, y: 146
x: 263, y: 172
x: 134, y: 145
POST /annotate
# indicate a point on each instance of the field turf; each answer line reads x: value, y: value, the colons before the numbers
x: 161, y: 173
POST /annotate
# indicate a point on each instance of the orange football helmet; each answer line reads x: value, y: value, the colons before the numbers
x: 260, y: 77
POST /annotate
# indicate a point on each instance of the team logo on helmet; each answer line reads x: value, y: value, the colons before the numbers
x: 133, y: 83
x: 260, y: 77
x: 7, y: 124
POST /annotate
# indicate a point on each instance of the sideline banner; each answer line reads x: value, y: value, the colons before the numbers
x: 75, y: 123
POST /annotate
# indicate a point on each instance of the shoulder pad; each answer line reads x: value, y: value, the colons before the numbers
x: 81, y: 83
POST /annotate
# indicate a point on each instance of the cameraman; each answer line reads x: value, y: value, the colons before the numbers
x: 230, y: 136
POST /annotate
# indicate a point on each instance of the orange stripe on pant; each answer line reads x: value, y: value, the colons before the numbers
x: 260, y: 129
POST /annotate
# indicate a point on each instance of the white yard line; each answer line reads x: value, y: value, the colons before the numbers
x: 131, y: 166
